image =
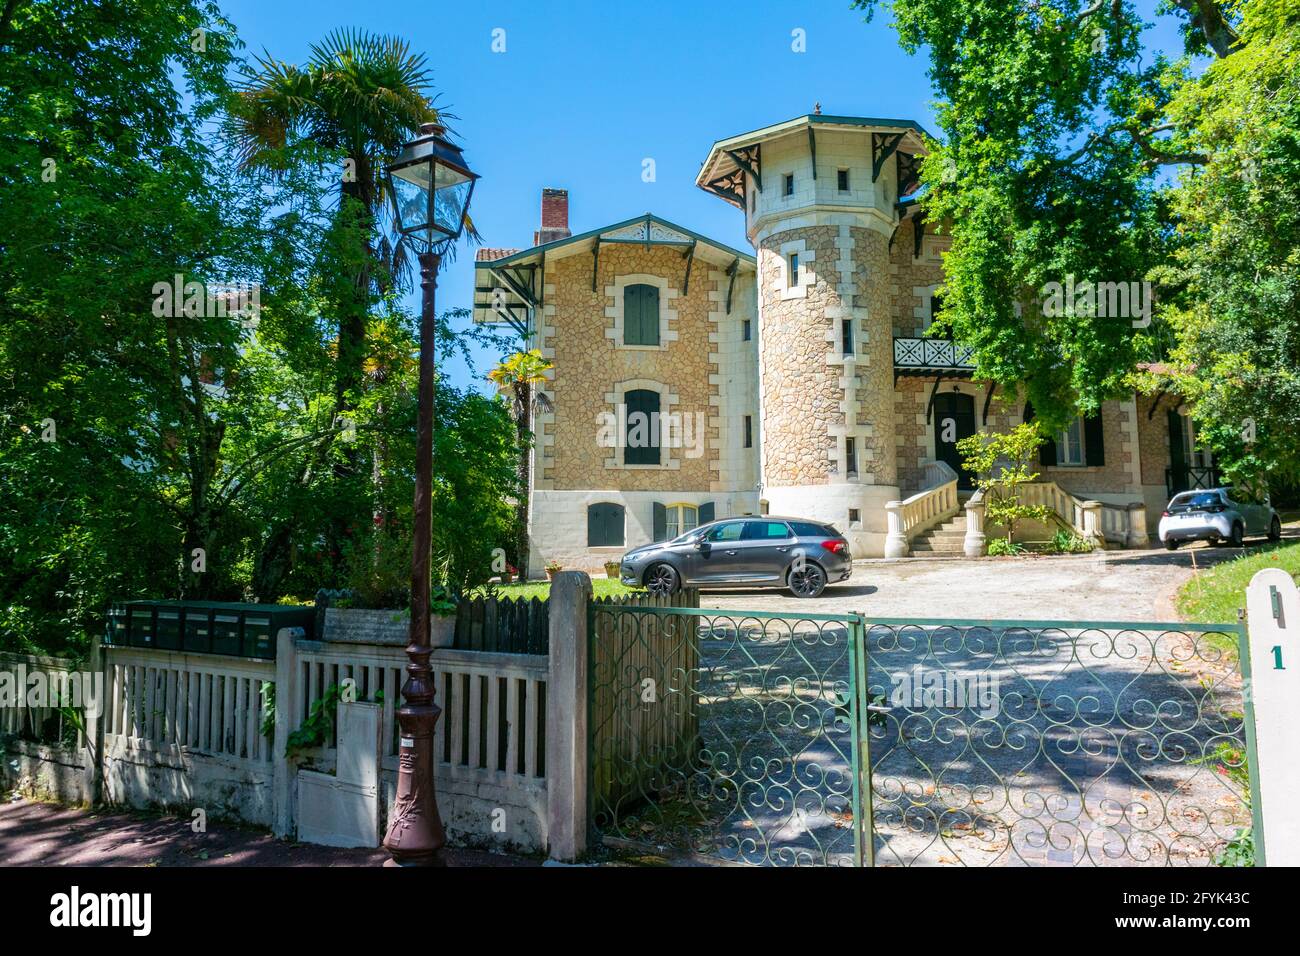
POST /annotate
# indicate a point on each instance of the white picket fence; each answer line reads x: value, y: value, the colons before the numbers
x: 489, y: 744
x: 35, y: 724
x: 166, y: 701
x: 188, y: 731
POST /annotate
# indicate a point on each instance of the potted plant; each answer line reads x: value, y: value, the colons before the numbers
x: 508, y: 575
x: 552, y: 569
x: 442, y: 617
x: 612, y: 569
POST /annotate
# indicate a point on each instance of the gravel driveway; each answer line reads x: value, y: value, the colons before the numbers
x: 1099, y: 750
x: 1105, y: 586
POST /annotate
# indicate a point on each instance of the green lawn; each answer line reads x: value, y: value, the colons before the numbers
x: 1213, y: 596
x: 600, y: 587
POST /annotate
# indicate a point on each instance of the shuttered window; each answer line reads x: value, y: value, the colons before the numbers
x: 640, y: 315
x: 641, y: 441
x: 604, y: 525
x: 672, y: 520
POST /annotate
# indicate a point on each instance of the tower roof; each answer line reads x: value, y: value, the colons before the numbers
x: 729, y: 159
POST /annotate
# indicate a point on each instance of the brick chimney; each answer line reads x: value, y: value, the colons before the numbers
x: 555, y: 217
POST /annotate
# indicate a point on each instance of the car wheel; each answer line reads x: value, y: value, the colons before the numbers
x: 1238, y: 533
x: 1171, y: 545
x: 808, y: 581
x: 662, y: 579
x: 1275, y: 529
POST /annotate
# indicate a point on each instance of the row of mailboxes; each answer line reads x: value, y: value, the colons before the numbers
x: 205, y: 627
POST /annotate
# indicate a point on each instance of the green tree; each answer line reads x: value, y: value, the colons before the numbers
x: 1073, y: 149
x: 1236, y: 268
x: 520, y: 374
x: 133, y: 432
x: 359, y: 96
x: 1001, y: 462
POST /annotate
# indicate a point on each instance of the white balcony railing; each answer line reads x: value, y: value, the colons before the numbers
x: 926, y: 353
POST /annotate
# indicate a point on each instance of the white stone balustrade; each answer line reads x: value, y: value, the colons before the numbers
x: 925, y: 509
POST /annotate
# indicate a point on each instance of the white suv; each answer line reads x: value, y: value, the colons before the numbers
x: 1214, y: 515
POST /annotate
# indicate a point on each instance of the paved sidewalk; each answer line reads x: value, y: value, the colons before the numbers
x: 43, y: 834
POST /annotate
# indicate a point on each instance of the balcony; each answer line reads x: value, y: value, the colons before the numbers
x: 1186, y: 477
x: 926, y: 356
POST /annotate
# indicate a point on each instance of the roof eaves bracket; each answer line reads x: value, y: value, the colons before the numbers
x: 929, y: 407
x: 988, y: 399
x: 754, y: 167
x: 689, y: 255
x: 882, y: 147
x: 595, y: 262
x: 731, y: 284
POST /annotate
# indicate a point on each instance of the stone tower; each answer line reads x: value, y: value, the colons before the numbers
x: 820, y: 196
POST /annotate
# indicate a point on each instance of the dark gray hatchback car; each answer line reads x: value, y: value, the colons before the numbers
x: 757, y: 551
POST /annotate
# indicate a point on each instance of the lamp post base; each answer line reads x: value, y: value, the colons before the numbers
x: 415, y: 835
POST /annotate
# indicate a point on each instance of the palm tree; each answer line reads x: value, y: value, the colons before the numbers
x: 520, y: 373
x: 361, y: 94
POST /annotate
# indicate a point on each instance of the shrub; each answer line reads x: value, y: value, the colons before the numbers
x: 1068, y: 542
x: 1001, y: 464
x: 999, y: 547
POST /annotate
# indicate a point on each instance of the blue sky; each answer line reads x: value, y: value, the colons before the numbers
x: 585, y: 91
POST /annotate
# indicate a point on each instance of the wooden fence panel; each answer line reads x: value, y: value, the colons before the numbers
x: 639, y: 745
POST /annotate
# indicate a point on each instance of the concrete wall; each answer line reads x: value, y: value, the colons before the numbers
x: 559, y: 526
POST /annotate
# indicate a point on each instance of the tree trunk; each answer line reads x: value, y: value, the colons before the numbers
x: 523, y: 441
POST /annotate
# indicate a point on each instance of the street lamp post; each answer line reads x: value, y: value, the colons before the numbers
x: 430, y: 186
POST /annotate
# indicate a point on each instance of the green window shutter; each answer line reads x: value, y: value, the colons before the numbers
x: 1047, y: 450
x: 706, y: 512
x: 1094, y: 441
x: 645, y: 402
x: 649, y: 315
x: 1176, y: 457
x: 660, y: 522
x: 640, y: 315
x: 604, y: 525
x: 632, y: 315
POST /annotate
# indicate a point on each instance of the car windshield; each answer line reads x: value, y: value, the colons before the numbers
x: 1203, y: 499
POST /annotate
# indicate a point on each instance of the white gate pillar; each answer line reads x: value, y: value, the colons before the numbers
x: 896, y: 544
x: 1273, y: 685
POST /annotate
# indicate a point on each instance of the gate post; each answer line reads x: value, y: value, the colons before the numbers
x: 1270, y: 672
x: 975, y: 542
x: 896, y: 543
x: 566, y: 716
x: 285, y: 773
x: 864, y: 838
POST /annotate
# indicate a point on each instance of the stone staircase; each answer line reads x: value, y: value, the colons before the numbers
x: 942, y: 541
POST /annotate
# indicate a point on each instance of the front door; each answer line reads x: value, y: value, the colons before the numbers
x: 954, y: 419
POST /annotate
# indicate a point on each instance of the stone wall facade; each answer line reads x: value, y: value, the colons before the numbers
x: 800, y: 396
x: 593, y: 368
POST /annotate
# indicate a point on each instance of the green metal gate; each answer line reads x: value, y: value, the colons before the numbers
x: 819, y: 739
x: 1057, y: 743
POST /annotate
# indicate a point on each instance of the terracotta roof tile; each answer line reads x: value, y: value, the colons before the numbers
x: 491, y: 255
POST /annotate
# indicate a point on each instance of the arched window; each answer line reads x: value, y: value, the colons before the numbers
x: 604, y: 525
x: 640, y: 315
x: 641, y: 439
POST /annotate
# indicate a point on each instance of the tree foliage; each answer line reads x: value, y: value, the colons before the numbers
x: 1002, y: 462
x: 1072, y: 148
x: 154, y: 451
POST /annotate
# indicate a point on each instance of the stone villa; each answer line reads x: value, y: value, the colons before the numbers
x: 791, y: 380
